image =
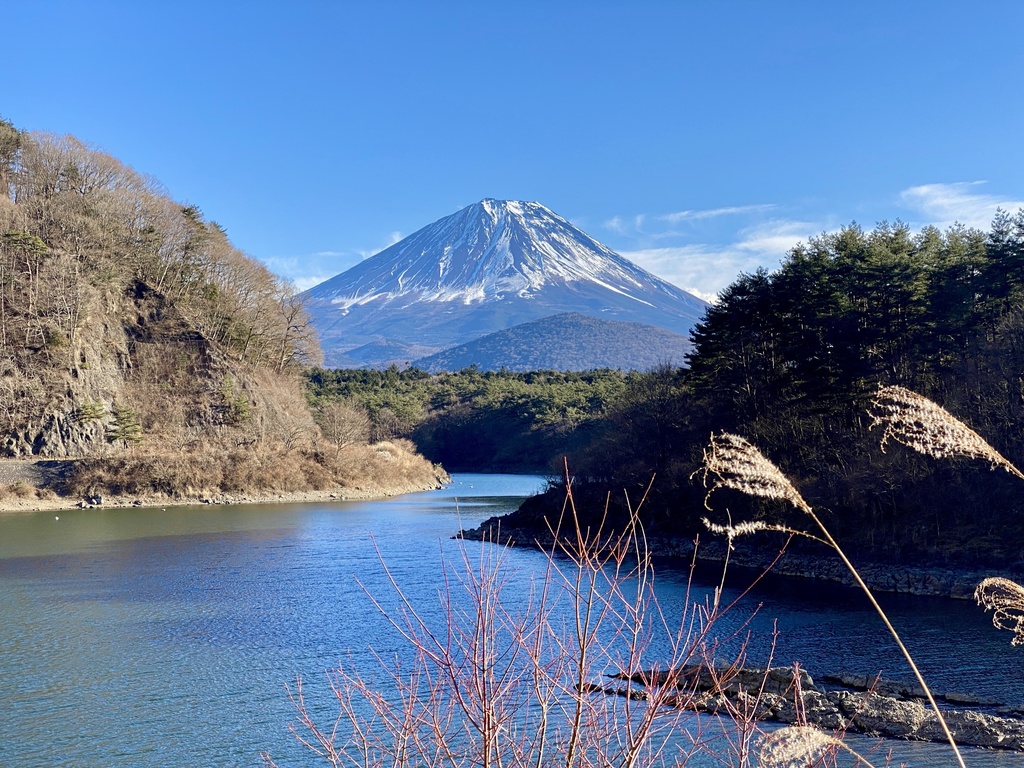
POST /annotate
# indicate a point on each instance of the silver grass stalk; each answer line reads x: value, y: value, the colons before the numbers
x: 797, y: 746
x: 735, y: 463
x: 1005, y: 599
x: 916, y: 422
x: 735, y: 530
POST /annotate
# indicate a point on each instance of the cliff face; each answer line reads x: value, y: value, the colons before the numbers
x: 127, y: 319
x: 138, y: 371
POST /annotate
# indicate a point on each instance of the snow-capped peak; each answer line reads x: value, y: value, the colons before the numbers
x: 487, y: 250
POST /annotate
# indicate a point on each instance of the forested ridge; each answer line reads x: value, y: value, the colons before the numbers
x: 789, y: 359
x: 136, y: 339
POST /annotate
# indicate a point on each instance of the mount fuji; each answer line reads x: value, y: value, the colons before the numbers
x: 493, y: 265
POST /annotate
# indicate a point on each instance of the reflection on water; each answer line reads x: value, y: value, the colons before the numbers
x: 166, y: 637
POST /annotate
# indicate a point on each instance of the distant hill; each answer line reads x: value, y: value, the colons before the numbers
x: 491, y: 266
x: 566, y: 342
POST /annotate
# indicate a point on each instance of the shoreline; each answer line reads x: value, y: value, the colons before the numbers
x: 940, y: 580
x: 14, y: 506
x: 30, y: 487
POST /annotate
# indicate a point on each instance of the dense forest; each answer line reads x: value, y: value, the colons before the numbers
x: 135, y: 338
x: 474, y: 420
x: 789, y: 359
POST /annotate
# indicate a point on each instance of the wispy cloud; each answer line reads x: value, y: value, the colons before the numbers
x: 942, y: 205
x: 314, y: 268
x: 615, y: 224
x: 309, y: 281
x: 628, y: 225
x: 775, y: 237
x: 652, y: 225
x: 699, y: 269
x: 714, y: 213
x: 392, y: 238
x: 706, y: 269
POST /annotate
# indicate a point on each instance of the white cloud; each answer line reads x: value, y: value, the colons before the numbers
x: 706, y: 269
x: 309, y: 281
x: 699, y: 269
x: 942, y: 205
x: 776, y: 236
x: 615, y: 225
x: 392, y: 238
x: 312, y: 269
x: 714, y: 213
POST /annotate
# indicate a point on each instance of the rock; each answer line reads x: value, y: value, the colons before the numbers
x: 877, y: 707
x: 818, y: 709
x: 980, y: 730
x: 970, y: 700
x: 882, y: 715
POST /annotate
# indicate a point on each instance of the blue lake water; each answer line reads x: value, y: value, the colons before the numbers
x: 165, y: 637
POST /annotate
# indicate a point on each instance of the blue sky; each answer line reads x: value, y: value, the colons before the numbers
x: 698, y: 139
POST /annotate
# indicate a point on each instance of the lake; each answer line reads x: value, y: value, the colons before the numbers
x: 165, y: 637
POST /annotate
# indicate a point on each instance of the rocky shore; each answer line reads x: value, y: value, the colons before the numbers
x: 934, y: 581
x: 842, y: 703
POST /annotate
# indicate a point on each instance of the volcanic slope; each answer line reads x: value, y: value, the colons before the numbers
x: 492, y: 265
x: 566, y: 342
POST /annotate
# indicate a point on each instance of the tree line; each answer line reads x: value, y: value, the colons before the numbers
x: 472, y: 420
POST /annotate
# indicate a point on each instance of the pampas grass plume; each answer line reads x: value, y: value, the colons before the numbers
x: 797, y: 746
x: 1005, y: 599
x: 916, y: 422
x: 737, y: 464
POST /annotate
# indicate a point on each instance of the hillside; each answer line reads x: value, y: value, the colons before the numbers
x: 565, y: 342
x: 491, y: 266
x: 136, y: 339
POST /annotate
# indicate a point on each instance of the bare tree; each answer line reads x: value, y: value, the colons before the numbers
x: 344, y: 422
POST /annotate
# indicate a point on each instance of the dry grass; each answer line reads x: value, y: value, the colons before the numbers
x: 386, y: 468
x: 916, y: 422
x: 732, y: 462
x: 799, y: 746
x: 22, y: 491
x: 1005, y: 599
